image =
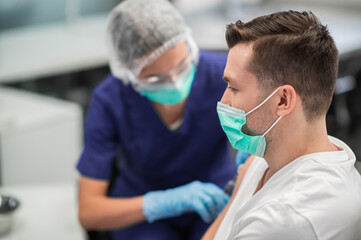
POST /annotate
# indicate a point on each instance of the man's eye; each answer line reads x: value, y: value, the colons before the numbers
x: 232, y: 89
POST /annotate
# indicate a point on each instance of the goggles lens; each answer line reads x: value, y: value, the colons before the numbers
x: 183, y: 67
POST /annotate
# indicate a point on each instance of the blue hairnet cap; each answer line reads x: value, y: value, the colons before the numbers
x: 140, y: 31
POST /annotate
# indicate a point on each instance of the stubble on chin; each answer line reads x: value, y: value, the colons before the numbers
x: 248, y: 131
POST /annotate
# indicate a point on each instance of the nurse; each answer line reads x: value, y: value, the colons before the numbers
x: 155, y: 158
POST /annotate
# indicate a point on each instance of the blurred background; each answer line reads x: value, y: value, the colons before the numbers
x: 52, y: 55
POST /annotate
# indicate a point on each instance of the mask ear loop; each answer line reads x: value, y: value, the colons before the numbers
x: 263, y: 101
x: 272, y: 126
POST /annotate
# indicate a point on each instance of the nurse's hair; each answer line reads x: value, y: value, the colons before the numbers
x: 291, y: 48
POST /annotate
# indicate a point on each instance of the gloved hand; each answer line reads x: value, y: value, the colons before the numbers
x: 241, y: 157
x: 207, y: 199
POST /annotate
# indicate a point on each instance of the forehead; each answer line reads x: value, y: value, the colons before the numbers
x: 167, y: 61
x: 236, y: 70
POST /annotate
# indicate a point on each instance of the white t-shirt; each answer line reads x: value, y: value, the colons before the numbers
x: 316, y: 196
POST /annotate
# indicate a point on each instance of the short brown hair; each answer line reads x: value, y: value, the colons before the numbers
x: 291, y: 48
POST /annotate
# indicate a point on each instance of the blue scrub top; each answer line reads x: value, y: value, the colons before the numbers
x: 149, y: 156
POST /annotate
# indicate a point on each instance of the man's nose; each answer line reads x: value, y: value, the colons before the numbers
x: 225, y: 98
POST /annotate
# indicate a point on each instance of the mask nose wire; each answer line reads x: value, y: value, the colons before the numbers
x: 263, y: 101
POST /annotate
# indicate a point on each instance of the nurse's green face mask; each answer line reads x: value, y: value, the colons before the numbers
x: 171, y: 91
x: 232, y: 121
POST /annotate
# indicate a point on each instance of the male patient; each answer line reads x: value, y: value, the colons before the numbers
x: 300, y: 183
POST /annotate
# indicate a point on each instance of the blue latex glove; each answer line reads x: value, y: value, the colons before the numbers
x: 207, y: 199
x: 241, y: 157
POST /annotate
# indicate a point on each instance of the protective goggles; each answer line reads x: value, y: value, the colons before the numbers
x: 171, y: 76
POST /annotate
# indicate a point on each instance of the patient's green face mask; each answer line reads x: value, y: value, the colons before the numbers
x: 232, y: 121
x: 170, y: 92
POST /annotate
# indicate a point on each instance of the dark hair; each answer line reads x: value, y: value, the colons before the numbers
x: 291, y: 48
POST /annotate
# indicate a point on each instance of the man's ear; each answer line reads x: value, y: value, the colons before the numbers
x: 287, y: 100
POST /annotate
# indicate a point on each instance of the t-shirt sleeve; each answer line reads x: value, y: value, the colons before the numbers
x: 273, y: 221
x: 100, y: 141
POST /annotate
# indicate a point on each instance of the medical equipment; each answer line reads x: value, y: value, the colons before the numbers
x: 240, y: 159
x: 7, y: 206
x: 228, y: 189
x: 171, y: 92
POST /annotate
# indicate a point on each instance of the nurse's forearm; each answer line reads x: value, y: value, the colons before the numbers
x: 104, y: 213
x: 99, y: 212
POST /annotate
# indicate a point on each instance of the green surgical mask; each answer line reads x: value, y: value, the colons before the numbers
x: 171, y: 92
x: 232, y: 121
